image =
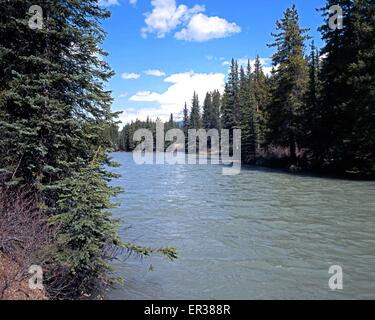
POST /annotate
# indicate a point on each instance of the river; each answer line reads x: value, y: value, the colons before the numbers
x: 262, y: 234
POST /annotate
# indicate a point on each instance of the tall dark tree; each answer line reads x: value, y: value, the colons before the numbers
x: 248, y: 119
x: 207, y: 111
x: 310, y: 114
x: 291, y: 79
x: 345, y: 116
x: 195, y: 114
x: 361, y: 79
x: 337, y: 54
x: 186, y: 125
x: 262, y: 98
x: 171, y: 123
x: 54, y: 110
x: 231, y: 110
x: 216, y: 110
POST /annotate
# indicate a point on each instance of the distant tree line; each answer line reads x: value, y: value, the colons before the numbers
x: 315, y: 111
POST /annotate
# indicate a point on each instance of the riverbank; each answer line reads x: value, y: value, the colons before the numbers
x: 300, y: 166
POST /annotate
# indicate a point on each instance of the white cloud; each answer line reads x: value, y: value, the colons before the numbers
x: 145, y: 96
x: 130, y: 76
x: 166, y: 16
x: 108, y: 3
x: 266, y: 64
x: 203, y: 28
x: 173, y: 99
x: 123, y: 95
x: 133, y: 2
x: 155, y: 73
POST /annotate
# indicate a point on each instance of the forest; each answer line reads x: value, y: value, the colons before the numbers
x: 314, y: 112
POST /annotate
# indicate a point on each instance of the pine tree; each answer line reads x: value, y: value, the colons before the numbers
x: 337, y: 54
x: 186, y: 125
x: 54, y: 111
x: 248, y: 118
x: 171, y: 123
x: 262, y: 99
x: 361, y: 79
x: 345, y: 127
x: 207, y: 111
x: 231, y: 110
x: 195, y: 114
x: 311, y: 110
x: 216, y: 110
x: 291, y: 79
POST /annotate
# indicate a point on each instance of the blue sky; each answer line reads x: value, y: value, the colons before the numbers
x: 163, y: 50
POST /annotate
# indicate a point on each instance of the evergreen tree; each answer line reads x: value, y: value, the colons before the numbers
x: 311, y: 110
x: 54, y: 111
x: 291, y: 79
x: 337, y: 53
x: 361, y: 78
x: 248, y: 120
x: 186, y: 125
x: 231, y: 110
x: 345, y: 127
x: 262, y: 99
x: 207, y: 111
x: 195, y: 115
x: 171, y: 123
x: 216, y: 109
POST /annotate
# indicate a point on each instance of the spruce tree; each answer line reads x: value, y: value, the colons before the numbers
x: 195, y: 114
x: 216, y: 110
x: 291, y: 79
x: 186, y: 125
x: 207, y: 111
x: 171, y: 123
x: 345, y: 127
x: 231, y: 110
x: 310, y: 115
x: 248, y: 118
x: 54, y: 111
x: 337, y: 55
x: 361, y: 78
x: 262, y: 98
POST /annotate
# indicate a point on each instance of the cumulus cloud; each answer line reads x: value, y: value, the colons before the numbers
x: 203, y: 28
x: 155, y: 73
x: 108, y: 3
x: 166, y: 16
x: 173, y: 99
x: 130, y: 76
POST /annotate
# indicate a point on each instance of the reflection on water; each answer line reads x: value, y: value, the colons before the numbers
x: 258, y: 235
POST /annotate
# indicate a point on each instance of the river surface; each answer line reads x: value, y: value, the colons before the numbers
x: 262, y: 234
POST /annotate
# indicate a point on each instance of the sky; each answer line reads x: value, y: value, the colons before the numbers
x: 164, y: 50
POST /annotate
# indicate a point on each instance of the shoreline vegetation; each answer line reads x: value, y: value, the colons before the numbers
x: 55, y: 198
x: 314, y: 112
